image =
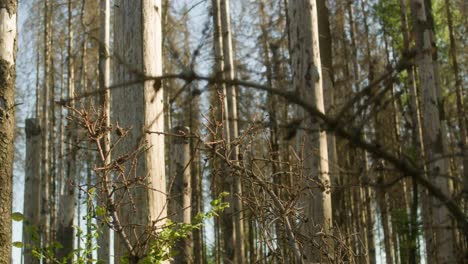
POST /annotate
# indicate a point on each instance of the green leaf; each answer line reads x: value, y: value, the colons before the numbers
x: 18, y: 244
x: 17, y: 216
x: 100, y: 211
x: 58, y: 245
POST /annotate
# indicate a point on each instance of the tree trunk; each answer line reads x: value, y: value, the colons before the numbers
x: 226, y: 221
x: 45, y: 204
x: 440, y: 246
x: 104, y: 80
x: 8, y: 44
x: 65, y: 232
x: 181, y: 190
x: 460, y: 99
x: 312, y: 141
x: 139, y: 107
x: 231, y: 120
x: 32, y: 194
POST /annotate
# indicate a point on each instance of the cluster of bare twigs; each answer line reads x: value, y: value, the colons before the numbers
x: 115, y: 179
x: 271, y: 187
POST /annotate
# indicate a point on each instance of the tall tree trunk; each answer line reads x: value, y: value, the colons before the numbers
x: 416, y: 136
x: 229, y: 74
x: 440, y: 247
x: 104, y: 80
x: 140, y: 107
x: 312, y: 142
x: 181, y: 190
x: 45, y: 204
x: 32, y: 194
x: 67, y: 200
x: 8, y: 33
x: 226, y: 223
x: 462, y: 120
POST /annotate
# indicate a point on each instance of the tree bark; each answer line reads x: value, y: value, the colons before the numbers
x: 45, y: 204
x: 139, y: 107
x: 226, y: 221
x: 462, y: 119
x: 32, y: 194
x: 440, y: 246
x: 65, y: 231
x: 181, y: 190
x: 104, y: 80
x: 231, y: 120
x: 312, y: 141
x: 8, y: 37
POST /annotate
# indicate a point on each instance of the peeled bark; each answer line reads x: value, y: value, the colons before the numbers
x: 139, y: 107
x: 312, y: 141
x: 8, y: 34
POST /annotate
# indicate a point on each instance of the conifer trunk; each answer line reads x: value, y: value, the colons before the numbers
x: 312, y: 141
x: 139, y: 107
x: 440, y: 241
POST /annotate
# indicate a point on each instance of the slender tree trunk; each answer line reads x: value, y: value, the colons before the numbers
x: 32, y: 194
x: 181, y: 190
x: 441, y: 246
x: 45, y: 204
x: 462, y: 120
x: 65, y: 234
x: 226, y: 223
x: 416, y: 136
x: 104, y: 80
x: 307, y: 80
x: 229, y: 74
x: 139, y: 107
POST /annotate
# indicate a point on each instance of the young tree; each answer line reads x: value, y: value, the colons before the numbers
x: 8, y: 42
x: 312, y: 140
x: 139, y: 109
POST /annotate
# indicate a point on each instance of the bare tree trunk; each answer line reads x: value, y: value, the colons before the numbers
x: 440, y: 247
x: 32, y: 194
x: 65, y: 234
x: 307, y: 80
x: 181, y: 190
x: 416, y: 136
x: 229, y: 74
x: 226, y: 221
x: 139, y: 107
x: 8, y: 34
x: 45, y: 204
x: 104, y: 80
x: 462, y: 121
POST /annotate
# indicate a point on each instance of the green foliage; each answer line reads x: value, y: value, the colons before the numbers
x: 160, y: 247
x: 174, y: 232
x: 17, y: 216
x: 388, y: 13
x: 48, y: 252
